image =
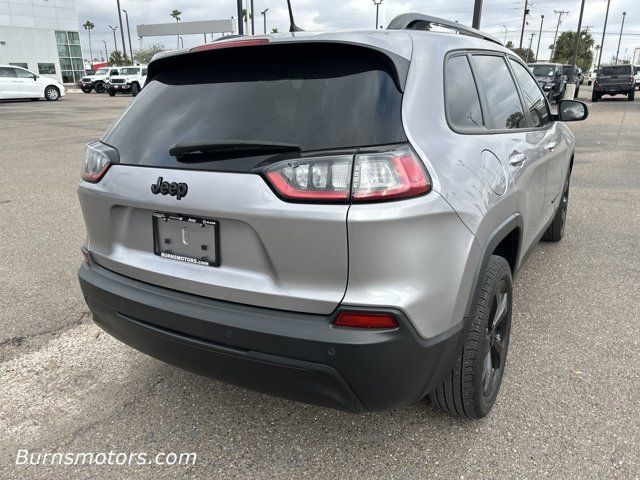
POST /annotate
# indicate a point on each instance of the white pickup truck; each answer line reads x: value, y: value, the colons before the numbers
x: 130, y: 80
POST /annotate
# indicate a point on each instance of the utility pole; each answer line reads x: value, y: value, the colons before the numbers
x: 505, y: 33
x: 533, y: 34
x: 559, y: 13
x: 126, y: 14
x: 115, y: 43
x: 377, y: 4
x: 624, y: 14
x: 539, y: 36
x: 264, y: 19
x: 124, y: 48
x: 477, y: 14
x: 253, y: 25
x: 577, y: 42
x: 604, y: 30
x: 524, y: 20
x: 106, y: 52
x: 240, y: 26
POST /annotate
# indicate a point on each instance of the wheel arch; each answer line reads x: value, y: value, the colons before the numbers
x: 505, y: 241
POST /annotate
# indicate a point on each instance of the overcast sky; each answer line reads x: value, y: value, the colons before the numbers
x: 323, y: 15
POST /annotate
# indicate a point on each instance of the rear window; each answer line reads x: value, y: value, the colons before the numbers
x: 319, y: 97
x: 616, y: 70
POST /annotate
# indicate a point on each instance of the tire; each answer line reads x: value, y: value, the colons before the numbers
x: 470, y: 390
x: 575, y: 95
x: 135, y: 89
x: 86, y: 89
x: 555, y: 232
x: 99, y: 87
x: 52, y: 93
x: 595, y: 97
x: 632, y: 95
x: 559, y: 97
x: 111, y: 93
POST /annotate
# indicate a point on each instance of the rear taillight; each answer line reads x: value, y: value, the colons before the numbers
x: 366, y: 177
x: 365, y: 320
x: 98, y: 157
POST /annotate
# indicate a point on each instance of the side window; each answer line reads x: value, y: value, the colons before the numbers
x: 533, y: 97
x: 462, y: 101
x: 113, y: 72
x: 20, y: 73
x: 500, y: 91
x: 144, y: 72
x: 7, y: 72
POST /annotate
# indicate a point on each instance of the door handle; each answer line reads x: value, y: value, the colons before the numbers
x: 517, y: 158
x: 550, y: 146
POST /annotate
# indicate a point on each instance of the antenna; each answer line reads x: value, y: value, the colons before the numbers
x: 292, y: 25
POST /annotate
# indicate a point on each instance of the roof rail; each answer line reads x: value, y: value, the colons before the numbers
x: 417, y: 21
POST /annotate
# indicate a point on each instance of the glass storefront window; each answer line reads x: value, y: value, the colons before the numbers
x: 46, y: 68
x: 70, y: 55
x: 19, y: 64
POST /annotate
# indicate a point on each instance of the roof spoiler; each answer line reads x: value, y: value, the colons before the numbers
x: 417, y: 21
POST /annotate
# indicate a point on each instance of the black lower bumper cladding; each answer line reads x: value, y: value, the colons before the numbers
x: 294, y: 355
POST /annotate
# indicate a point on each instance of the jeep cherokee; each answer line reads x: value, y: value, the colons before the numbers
x: 335, y: 218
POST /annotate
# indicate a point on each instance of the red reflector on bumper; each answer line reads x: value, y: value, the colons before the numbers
x: 365, y: 320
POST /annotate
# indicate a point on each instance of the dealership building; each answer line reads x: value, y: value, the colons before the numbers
x: 41, y: 36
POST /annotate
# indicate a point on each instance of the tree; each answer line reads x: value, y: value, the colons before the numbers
x: 274, y: 30
x: 524, y: 53
x: 564, y: 49
x: 176, y: 14
x: 116, y: 59
x: 89, y: 26
x: 145, y: 55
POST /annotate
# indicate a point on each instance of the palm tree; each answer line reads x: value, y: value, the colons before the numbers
x: 89, y: 26
x: 176, y: 14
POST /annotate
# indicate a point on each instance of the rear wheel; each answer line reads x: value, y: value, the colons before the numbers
x: 99, y: 87
x: 135, y: 89
x: 471, y: 388
x: 632, y: 95
x: 595, y: 97
x: 51, y: 93
x: 555, y: 232
x: 112, y: 93
x: 86, y: 89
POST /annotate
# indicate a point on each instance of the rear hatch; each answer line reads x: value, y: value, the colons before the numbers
x: 309, y: 100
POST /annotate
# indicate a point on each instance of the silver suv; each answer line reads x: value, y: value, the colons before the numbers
x: 335, y: 218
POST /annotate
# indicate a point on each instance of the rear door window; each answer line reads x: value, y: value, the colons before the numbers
x: 532, y: 95
x: 505, y: 109
x: 318, y: 97
x: 7, y: 72
x: 462, y: 100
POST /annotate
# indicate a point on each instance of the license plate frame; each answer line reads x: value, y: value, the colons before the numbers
x: 186, y: 239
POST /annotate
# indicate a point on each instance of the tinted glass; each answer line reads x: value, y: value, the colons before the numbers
x: 616, y: 70
x: 23, y: 73
x: 542, y: 70
x: 129, y: 71
x: 47, y: 68
x: 19, y: 64
x: 7, y: 72
x: 567, y: 70
x: 500, y: 91
x: 317, y: 97
x: 462, y: 101
x: 533, y: 97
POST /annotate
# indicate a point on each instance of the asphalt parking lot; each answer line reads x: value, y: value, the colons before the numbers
x: 569, y: 405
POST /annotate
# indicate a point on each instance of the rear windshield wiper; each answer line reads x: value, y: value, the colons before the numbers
x: 197, y: 151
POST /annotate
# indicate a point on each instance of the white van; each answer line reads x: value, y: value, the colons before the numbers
x: 18, y: 82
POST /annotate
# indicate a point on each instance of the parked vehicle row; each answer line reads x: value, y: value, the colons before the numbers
x: 554, y: 77
x: 18, y: 82
x: 114, y: 80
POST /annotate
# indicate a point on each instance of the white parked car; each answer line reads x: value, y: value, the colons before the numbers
x: 131, y: 80
x: 18, y: 82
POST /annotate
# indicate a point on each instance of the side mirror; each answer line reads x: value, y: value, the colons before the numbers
x: 35, y: 77
x: 572, y: 111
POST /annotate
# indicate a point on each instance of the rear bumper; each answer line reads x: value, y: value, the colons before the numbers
x: 293, y: 355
